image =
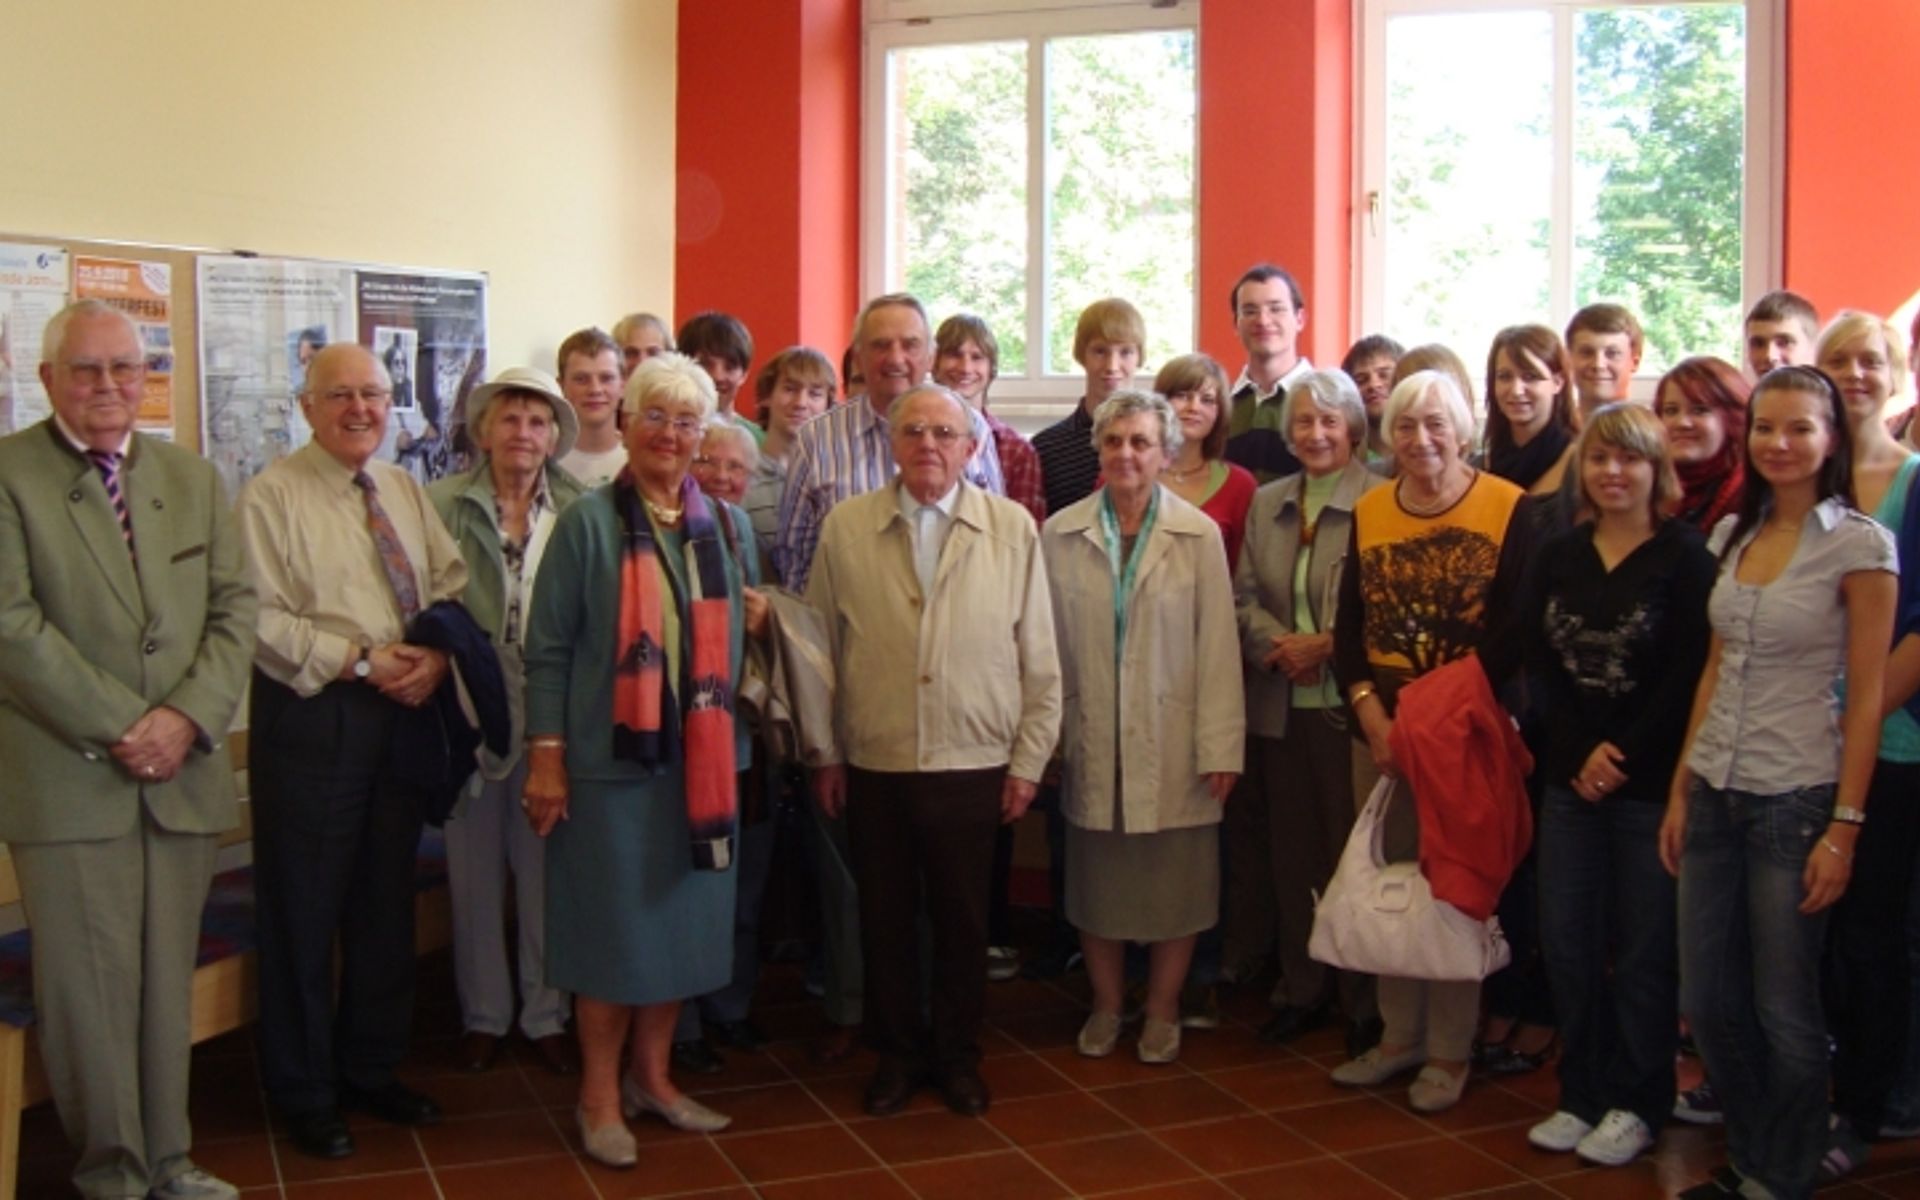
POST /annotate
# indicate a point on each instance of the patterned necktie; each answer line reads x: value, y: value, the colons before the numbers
x: 107, y: 462
x: 393, y: 555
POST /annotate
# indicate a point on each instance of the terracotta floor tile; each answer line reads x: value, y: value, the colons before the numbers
x: 1890, y: 1158
x: 491, y: 1139
x: 501, y: 1090
x: 1186, y: 1189
x: 1227, y: 1047
x: 378, y: 1150
x: 1172, y: 1101
x: 1521, y: 1191
x: 780, y: 1106
x: 1317, y: 1177
x: 842, y: 1095
x: 244, y: 1163
x: 1109, y: 1164
x: 1288, y: 1084
x: 1119, y: 1067
x: 1510, y: 1146
x: 1236, y: 1144
x: 1643, y: 1180
x: 1359, y: 1124
x: 1429, y: 1169
x: 744, y: 1069
x: 993, y: 1044
x: 916, y: 1137
x: 553, y: 1178
x: 797, y: 1058
x: 1026, y: 996
x: 408, y: 1185
x: 666, y: 1168
x: 859, y: 1185
x: 1904, y: 1187
x: 1005, y: 1176
x: 1061, y: 1118
x: 1019, y: 1075
x: 795, y: 1153
x: 1479, y: 1108
x: 1048, y: 1030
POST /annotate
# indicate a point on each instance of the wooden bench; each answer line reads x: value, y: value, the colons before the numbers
x: 225, y: 983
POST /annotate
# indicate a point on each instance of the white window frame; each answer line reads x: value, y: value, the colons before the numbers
x: 1762, y: 203
x: 890, y: 25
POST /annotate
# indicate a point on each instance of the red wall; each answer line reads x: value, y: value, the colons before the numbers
x: 767, y: 149
x: 1853, y: 165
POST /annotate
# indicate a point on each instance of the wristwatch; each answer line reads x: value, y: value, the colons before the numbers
x: 1848, y: 815
x: 363, y: 666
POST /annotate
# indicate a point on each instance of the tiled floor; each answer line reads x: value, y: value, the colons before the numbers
x: 1232, y: 1118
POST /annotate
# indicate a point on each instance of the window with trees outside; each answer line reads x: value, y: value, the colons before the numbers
x: 1521, y: 159
x: 1020, y: 165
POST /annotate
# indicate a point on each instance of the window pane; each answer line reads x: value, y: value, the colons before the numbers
x: 1469, y: 177
x: 960, y: 160
x: 1661, y: 110
x: 1120, y: 137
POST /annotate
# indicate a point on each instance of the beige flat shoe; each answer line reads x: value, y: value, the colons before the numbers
x: 1099, y: 1035
x: 1436, y: 1089
x: 1159, y: 1042
x: 685, y: 1114
x: 610, y: 1145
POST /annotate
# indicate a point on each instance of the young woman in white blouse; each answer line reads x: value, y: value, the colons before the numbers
x: 1766, y: 807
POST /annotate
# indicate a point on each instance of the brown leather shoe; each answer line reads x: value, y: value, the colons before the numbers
x: 965, y: 1092
x: 477, y: 1051
x: 556, y: 1054
x: 890, y: 1089
x: 836, y: 1046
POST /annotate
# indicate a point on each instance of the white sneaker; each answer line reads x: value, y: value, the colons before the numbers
x: 1003, y: 963
x: 1559, y: 1133
x: 1620, y: 1138
x: 195, y: 1184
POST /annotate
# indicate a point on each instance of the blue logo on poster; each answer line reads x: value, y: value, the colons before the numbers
x: 43, y: 261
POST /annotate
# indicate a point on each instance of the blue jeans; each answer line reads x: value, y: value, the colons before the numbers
x: 1605, y: 899
x: 1750, y: 976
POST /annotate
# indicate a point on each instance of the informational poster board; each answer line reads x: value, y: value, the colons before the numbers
x: 228, y: 338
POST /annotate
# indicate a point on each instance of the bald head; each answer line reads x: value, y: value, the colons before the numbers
x: 347, y: 399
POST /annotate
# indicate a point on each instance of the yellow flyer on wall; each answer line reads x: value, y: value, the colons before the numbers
x: 144, y: 291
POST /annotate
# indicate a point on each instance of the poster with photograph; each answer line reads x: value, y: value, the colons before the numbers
x: 261, y: 322
x: 144, y: 291
x: 33, y: 286
x: 430, y: 331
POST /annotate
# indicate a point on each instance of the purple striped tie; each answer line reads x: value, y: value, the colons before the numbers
x: 393, y: 555
x: 108, y: 464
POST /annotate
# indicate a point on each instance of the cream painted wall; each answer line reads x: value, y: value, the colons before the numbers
x: 533, y: 142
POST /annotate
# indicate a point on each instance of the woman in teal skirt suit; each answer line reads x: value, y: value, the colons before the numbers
x: 633, y: 654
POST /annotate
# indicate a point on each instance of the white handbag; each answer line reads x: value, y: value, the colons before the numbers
x: 1382, y: 918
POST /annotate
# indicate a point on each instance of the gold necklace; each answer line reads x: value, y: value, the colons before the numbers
x: 1189, y: 473
x: 662, y: 513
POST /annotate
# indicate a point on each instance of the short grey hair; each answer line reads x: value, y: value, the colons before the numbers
x: 726, y: 428
x: 1127, y: 403
x: 1417, y: 387
x: 945, y: 393
x: 670, y: 378
x: 1328, y: 391
x: 56, y: 332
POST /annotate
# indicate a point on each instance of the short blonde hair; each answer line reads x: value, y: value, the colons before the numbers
x: 1113, y: 321
x: 1633, y: 428
x: 1851, y: 325
x: 670, y: 378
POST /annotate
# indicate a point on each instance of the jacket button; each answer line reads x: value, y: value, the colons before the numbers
x: 151, y: 647
x: 74, y: 495
x: 926, y: 679
x: 90, y: 756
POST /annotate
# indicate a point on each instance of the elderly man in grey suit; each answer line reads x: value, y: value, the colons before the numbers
x: 126, y: 632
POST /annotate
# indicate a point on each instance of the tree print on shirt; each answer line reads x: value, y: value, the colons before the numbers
x: 1425, y: 596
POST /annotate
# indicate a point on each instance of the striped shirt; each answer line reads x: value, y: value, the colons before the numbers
x: 844, y: 452
x: 1069, y: 465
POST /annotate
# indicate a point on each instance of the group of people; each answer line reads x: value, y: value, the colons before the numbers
x: 1197, y: 624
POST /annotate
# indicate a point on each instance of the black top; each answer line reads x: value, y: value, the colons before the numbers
x: 1616, y: 653
x: 1069, y: 464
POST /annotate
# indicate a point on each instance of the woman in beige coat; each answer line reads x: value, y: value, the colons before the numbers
x: 1154, y: 726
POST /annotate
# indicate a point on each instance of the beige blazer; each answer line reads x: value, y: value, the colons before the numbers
x: 972, y: 681
x: 1175, y: 711
x: 88, y: 644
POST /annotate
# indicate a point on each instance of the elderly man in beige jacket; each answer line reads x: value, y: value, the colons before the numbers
x: 946, y: 709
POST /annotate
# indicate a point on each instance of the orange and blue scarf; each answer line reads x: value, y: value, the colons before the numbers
x: 650, y: 726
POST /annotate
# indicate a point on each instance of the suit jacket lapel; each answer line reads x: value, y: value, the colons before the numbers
x: 150, y: 520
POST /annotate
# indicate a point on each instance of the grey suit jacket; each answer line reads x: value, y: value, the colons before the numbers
x: 1263, y: 581
x: 88, y: 644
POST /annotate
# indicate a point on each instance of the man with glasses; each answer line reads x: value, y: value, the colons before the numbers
x: 1268, y: 313
x: 345, y: 552
x: 126, y: 626
x: 946, y: 708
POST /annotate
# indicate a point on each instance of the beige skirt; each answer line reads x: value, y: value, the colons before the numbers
x: 1143, y: 887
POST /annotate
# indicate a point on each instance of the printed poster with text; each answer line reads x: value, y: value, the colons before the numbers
x: 33, y: 286
x: 261, y: 321
x: 144, y: 291
x: 430, y: 331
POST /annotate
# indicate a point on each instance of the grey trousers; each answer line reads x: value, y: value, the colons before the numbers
x: 488, y: 835
x: 116, y: 926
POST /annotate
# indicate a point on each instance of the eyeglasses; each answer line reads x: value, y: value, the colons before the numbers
x: 945, y: 435
x: 723, y: 466
x: 654, y: 418
x: 371, y: 394
x: 89, y: 373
